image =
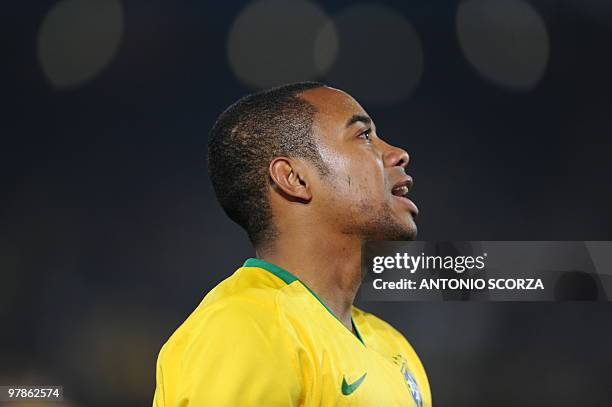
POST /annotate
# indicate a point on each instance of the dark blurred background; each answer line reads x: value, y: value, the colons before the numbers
x: 110, y: 233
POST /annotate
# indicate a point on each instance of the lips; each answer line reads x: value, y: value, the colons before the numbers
x: 400, y: 191
x: 402, y: 187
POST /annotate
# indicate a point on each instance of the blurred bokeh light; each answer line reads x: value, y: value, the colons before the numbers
x: 273, y: 42
x: 379, y: 55
x: 505, y: 40
x: 78, y: 39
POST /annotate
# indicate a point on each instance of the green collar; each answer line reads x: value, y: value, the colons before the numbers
x: 289, y: 278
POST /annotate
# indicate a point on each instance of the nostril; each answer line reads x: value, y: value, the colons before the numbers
x: 402, y: 161
x: 396, y: 157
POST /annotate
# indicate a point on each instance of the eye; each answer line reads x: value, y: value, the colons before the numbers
x: 366, y: 135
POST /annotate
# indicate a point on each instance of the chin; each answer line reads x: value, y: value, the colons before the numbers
x: 401, y: 225
x: 405, y: 228
x: 412, y: 229
x: 397, y: 231
x: 412, y: 234
x: 384, y: 224
x: 409, y: 232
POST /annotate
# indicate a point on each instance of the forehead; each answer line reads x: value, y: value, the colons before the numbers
x: 334, y: 108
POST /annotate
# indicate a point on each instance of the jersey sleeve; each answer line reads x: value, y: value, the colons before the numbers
x: 235, y: 354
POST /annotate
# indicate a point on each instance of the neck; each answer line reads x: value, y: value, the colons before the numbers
x: 329, y: 265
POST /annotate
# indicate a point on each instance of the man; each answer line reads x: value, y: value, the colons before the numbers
x: 303, y: 171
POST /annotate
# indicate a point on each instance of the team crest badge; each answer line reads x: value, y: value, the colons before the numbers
x: 412, y: 384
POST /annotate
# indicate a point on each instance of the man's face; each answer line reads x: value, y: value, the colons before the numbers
x: 363, y: 194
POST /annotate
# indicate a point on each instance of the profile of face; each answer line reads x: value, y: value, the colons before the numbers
x: 364, y: 191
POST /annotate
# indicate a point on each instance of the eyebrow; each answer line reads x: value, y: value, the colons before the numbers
x: 358, y: 118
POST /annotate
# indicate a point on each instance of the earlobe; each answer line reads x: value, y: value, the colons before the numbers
x: 289, y: 178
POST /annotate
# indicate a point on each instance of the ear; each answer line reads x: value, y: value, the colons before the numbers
x: 289, y: 178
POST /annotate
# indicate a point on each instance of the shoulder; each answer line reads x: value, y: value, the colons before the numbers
x: 237, y: 329
x: 233, y: 317
x: 241, y: 309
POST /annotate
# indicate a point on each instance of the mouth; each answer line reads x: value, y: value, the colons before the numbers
x: 400, y: 192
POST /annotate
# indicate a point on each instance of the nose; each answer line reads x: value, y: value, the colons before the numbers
x: 395, y: 157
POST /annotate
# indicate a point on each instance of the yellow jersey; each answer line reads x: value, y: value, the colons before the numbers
x: 262, y: 338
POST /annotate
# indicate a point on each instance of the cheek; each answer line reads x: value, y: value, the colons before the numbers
x: 365, y: 186
x: 369, y: 179
x: 355, y: 183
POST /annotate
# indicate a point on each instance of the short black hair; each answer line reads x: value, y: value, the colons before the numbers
x: 244, y: 140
